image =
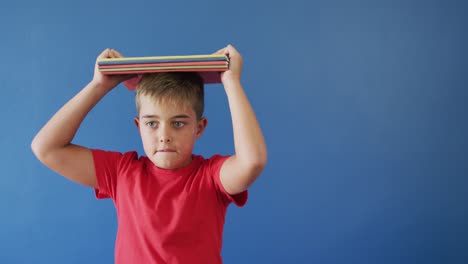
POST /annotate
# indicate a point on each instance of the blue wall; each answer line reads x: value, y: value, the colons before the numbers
x: 362, y: 103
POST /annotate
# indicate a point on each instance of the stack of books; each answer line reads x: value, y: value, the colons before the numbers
x: 208, y: 66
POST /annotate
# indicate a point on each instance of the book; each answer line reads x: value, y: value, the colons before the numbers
x: 208, y: 66
x: 163, y: 59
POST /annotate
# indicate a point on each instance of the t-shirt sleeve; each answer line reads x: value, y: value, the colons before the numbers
x: 215, y: 164
x: 108, y: 165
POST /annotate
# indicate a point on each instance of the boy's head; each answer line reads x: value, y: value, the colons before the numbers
x: 170, y: 116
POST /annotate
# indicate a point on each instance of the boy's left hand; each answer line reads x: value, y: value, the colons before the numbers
x: 235, y: 64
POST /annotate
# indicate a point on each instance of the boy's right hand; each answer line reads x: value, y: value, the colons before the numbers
x: 108, y: 82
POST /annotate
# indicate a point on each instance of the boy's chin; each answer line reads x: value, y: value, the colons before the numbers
x: 164, y: 165
x: 168, y: 164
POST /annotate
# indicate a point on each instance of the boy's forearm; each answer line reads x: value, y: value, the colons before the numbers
x: 249, y: 143
x: 59, y: 131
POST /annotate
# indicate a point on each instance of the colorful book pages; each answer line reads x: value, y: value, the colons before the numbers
x: 208, y: 66
x: 161, y: 59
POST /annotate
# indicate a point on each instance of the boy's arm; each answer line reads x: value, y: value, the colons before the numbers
x: 241, y: 169
x: 52, y: 145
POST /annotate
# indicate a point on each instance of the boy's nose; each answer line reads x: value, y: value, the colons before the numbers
x: 164, y: 139
x: 164, y: 134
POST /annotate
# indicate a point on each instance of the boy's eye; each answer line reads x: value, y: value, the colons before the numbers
x: 179, y: 124
x: 152, y: 124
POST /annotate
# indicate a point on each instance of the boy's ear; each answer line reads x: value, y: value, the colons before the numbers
x: 201, y: 125
x: 137, y: 123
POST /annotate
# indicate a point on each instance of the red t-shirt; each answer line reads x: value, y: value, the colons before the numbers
x: 165, y: 216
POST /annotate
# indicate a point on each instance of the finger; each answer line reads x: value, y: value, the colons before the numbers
x: 113, y: 53
x: 104, y: 54
x: 231, y: 49
x: 117, y: 54
x: 221, y: 51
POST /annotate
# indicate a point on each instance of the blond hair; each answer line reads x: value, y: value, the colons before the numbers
x: 176, y: 88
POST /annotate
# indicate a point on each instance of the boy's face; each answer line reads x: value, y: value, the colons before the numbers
x: 168, y: 132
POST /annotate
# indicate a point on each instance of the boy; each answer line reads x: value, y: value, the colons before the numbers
x: 170, y: 204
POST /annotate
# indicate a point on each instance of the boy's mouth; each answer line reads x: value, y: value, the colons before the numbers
x: 165, y: 150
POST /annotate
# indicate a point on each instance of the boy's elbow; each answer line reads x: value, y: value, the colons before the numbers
x: 263, y: 158
x: 261, y: 162
x: 258, y: 163
x: 255, y: 169
x: 35, y: 147
x: 38, y: 149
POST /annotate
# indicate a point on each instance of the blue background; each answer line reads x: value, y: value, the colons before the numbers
x: 362, y: 103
